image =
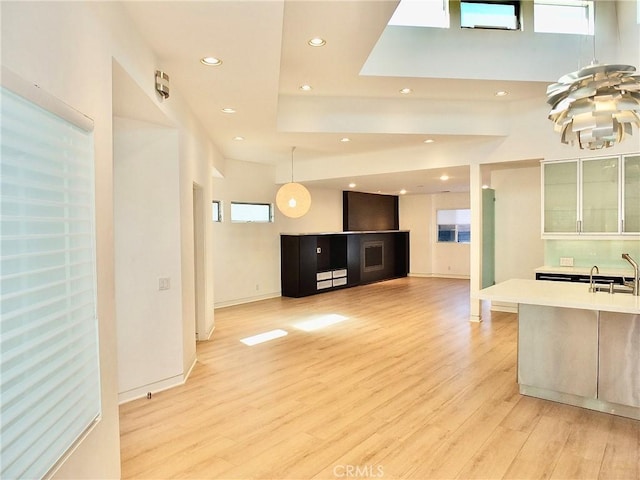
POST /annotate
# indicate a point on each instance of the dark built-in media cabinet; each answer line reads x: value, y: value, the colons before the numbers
x: 319, y: 262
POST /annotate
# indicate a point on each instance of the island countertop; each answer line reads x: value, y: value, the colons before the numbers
x: 560, y: 294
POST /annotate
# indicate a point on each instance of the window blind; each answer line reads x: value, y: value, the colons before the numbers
x: 49, y: 370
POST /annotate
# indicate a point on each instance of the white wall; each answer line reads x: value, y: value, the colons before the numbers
x: 325, y: 214
x: 427, y: 256
x: 415, y: 216
x: 67, y: 48
x: 519, y: 248
x: 146, y: 232
x: 246, y: 255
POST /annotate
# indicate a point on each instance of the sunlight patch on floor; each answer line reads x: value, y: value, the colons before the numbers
x: 319, y: 322
x: 264, y: 337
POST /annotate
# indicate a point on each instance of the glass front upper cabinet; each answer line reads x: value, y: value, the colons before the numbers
x: 631, y: 196
x: 600, y: 196
x: 596, y: 196
x: 560, y: 180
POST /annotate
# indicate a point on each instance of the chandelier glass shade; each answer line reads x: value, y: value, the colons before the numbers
x: 596, y: 106
x: 293, y: 199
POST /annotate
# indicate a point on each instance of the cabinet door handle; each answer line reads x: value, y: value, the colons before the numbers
x: 578, y: 226
x: 622, y: 225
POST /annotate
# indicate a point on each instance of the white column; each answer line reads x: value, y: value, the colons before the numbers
x: 476, y: 242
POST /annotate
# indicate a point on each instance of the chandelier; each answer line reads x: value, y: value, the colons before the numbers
x: 293, y: 199
x: 596, y: 106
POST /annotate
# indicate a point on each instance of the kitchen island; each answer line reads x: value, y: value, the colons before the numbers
x: 574, y: 346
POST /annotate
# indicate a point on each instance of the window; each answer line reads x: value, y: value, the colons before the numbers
x: 504, y: 15
x: 454, y: 225
x: 563, y: 16
x: 421, y: 13
x: 49, y: 370
x: 216, y: 210
x: 251, y: 212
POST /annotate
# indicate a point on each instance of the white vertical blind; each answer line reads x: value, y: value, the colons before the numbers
x: 49, y: 371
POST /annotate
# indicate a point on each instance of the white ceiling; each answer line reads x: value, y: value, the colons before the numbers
x: 263, y: 45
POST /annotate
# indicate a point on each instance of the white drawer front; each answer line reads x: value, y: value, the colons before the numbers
x: 324, y: 284
x: 323, y: 276
x: 340, y: 273
x: 339, y: 281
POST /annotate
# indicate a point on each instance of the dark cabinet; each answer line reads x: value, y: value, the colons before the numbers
x: 576, y: 277
x: 320, y: 262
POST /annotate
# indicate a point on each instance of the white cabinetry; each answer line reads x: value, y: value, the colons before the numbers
x: 596, y: 196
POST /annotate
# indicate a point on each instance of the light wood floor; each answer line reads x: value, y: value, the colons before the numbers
x: 404, y: 387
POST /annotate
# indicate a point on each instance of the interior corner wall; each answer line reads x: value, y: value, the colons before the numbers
x: 427, y: 256
x: 147, y: 239
x: 246, y: 256
x: 518, y: 244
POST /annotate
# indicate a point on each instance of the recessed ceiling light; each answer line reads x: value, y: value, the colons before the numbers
x: 501, y: 93
x: 444, y: 177
x: 352, y: 185
x: 345, y: 139
x: 403, y: 191
x: 429, y: 140
x: 239, y: 138
x: 228, y: 110
x: 211, y: 61
x: 317, y: 42
x: 406, y: 91
x: 305, y: 87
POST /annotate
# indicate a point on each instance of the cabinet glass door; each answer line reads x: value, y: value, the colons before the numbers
x: 560, y: 197
x: 631, y: 214
x: 600, y: 195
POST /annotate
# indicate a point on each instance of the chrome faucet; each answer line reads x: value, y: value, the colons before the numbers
x: 636, y: 280
x: 592, y: 287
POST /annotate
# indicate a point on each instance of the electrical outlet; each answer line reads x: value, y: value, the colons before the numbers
x: 164, y: 283
x: 566, y: 261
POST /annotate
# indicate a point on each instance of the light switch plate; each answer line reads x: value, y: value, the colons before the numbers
x: 566, y: 261
x: 164, y: 283
x: 318, y: 250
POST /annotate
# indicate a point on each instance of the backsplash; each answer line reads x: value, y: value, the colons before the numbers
x: 585, y: 253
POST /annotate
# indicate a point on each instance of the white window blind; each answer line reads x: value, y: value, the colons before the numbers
x: 49, y: 371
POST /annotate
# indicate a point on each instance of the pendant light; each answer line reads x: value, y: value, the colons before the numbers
x: 293, y: 199
x: 597, y: 105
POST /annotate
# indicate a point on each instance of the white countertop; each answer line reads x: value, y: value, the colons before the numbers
x: 560, y: 294
x: 604, y: 271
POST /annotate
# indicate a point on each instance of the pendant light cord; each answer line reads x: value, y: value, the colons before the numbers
x: 292, y: 150
x: 594, y: 61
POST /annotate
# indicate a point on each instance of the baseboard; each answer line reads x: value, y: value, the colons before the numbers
x: 240, y: 301
x: 143, y: 391
x: 208, y: 335
x: 193, y: 364
x: 155, y: 387
x: 440, y: 275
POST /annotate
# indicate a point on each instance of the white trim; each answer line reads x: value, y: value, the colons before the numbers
x: 155, y: 387
x: 43, y: 99
x: 240, y: 301
x: 439, y: 275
